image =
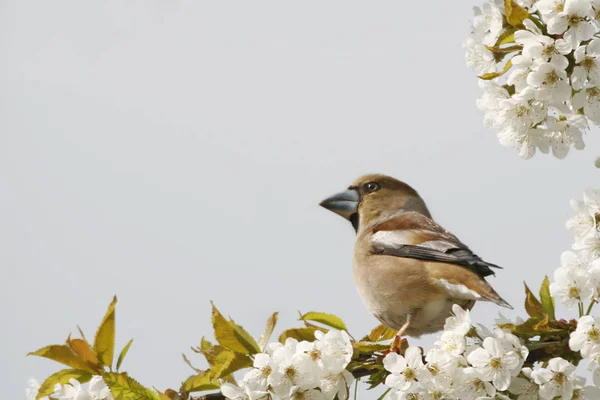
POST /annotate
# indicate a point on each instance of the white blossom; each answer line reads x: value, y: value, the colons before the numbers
x: 555, y: 380
x: 573, y: 22
x: 587, y: 58
x: 404, y: 370
x: 586, y: 337
x: 571, y: 286
x: 494, y: 363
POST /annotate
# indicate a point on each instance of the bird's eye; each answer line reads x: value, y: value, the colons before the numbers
x: 371, y: 187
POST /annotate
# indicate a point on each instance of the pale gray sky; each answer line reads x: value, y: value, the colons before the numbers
x: 175, y: 152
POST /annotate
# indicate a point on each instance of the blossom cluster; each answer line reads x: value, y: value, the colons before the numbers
x: 96, y: 389
x: 484, y: 365
x: 540, y: 67
x: 577, y: 280
x: 298, y: 370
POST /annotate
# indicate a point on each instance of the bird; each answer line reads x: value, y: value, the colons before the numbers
x: 409, y: 270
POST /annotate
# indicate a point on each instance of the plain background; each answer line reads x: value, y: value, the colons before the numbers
x: 175, y: 152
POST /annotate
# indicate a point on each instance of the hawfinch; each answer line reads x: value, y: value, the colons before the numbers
x: 409, y: 270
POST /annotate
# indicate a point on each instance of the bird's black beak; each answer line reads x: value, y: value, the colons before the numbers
x: 344, y: 203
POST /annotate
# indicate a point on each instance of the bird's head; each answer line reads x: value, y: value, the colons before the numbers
x: 374, y: 198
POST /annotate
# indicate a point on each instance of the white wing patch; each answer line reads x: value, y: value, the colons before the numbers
x: 458, y: 291
x: 394, y: 239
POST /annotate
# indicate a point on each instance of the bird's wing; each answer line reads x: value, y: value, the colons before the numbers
x: 413, y: 235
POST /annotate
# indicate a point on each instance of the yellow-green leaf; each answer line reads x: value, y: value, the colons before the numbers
x: 123, y: 387
x: 326, y: 319
x: 123, y: 354
x: 380, y: 334
x: 85, y: 351
x: 227, y: 362
x: 494, y: 75
x: 370, y: 347
x: 515, y: 14
x: 64, y: 355
x: 546, y: 298
x: 264, y: 339
x: 532, y: 304
x: 199, y: 383
x: 104, y: 342
x: 507, y: 36
x: 299, y: 334
x: 232, y: 336
x: 62, y: 377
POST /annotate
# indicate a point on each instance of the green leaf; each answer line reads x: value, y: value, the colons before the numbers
x: 104, y: 342
x: 532, y: 305
x: 62, y: 377
x: 493, y: 75
x: 85, y: 352
x: 299, y: 334
x: 379, y: 334
x: 123, y: 354
x: 199, y: 383
x: 546, y: 298
x: 515, y: 14
x: 325, y: 319
x: 64, y: 355
x: 264, y: 339
x: 122, y: 387
x: 231, y: 335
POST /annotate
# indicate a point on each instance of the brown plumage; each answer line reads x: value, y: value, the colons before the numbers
x: 409, y: 270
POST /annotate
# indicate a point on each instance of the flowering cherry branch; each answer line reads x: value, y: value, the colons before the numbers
x: 539, y: 64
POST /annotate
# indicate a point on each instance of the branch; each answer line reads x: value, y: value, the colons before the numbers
x: 359, y: 373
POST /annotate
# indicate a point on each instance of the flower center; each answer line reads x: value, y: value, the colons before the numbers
x: 551, y: 78
x: 559, y: 7
x: 290, y: 372
x: 434, y: 369
x: 549, y: 50
x: 410, y: 374
x: 594, y: 335
x: 589, y: 63
x: 574, y: 20
x: 266, y: 371
x: 315, y: 355
x: 521, y: 110
x: 559, y: 378
x: 496, y: 363
x: 478, y: 384
x: 574, y: 292
x: 412, y: 396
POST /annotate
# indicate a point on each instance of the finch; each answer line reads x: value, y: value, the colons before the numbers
x: 409, y: 271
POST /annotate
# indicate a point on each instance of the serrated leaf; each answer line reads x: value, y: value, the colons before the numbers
x: 64, y: 355
x: 507, y: 36
x: 62, y: 377
x: 326, y: 319
x: 532, y: 304
x: 198, y: 383
x: 264, y: 339
x: 231, y: 335
x: 299, y: 334
x: 228, y: 362
x: 104, y: 342
x: 379, y: 334
x: 370, y: 347
x: 515, y: 14
x: 123, y: 387
x: 123, y: 353
x: 546, y: 298
x: 85, y: 351
x: 494, y: 75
